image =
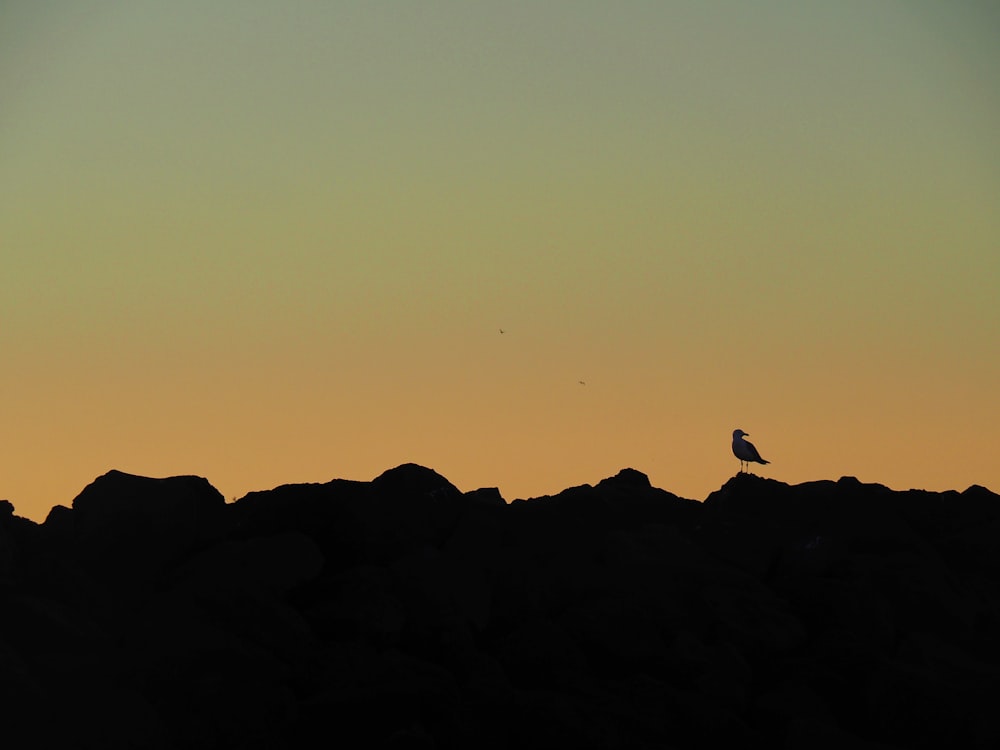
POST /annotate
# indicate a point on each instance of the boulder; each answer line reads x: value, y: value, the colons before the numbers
x: 130, y: 528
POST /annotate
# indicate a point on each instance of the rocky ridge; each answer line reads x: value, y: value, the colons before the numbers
x: 403, y: 612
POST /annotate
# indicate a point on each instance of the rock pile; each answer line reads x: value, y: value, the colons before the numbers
x: 403, y: 613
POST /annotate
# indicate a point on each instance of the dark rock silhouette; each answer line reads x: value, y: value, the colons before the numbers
x: 402, y: 612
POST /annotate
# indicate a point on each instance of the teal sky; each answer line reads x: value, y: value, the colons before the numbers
x: 271, y: 242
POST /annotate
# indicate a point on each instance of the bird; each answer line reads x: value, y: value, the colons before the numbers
x: 745, y: 451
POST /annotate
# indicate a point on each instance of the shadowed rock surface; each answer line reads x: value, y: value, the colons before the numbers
x: 403, y: 613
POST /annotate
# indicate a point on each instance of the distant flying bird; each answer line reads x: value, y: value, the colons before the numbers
x: 745, y: 451
x: 502, y: 330
x: 581, y: 382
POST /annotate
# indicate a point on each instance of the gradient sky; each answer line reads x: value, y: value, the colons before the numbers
x: 274, y: 242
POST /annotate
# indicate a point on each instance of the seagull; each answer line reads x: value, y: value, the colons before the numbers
x: 745, y: 451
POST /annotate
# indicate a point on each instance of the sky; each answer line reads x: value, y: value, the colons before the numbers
x: 276, y: 242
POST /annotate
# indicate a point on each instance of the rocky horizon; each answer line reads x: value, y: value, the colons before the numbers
x: 402, y: 612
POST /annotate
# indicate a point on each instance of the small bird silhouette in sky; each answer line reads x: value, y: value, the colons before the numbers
x: 745, y: 451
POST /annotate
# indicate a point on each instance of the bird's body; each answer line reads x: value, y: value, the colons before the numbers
x: 744, y: 450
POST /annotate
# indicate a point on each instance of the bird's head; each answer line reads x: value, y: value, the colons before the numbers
x: 739, y: 433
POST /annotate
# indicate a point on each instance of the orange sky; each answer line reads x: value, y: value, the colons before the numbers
x: 267, y: 244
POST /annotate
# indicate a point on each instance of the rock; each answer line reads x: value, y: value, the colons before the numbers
x: 406, y: 613
x: 488, y: 496
x: 131, y: 528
